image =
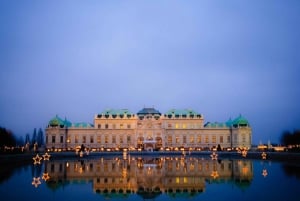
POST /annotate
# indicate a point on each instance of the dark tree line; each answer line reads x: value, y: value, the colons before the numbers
x: 290, y: 138
x: 7, y: 138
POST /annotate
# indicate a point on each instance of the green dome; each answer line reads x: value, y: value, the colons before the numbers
x: 240, y: 121
x: 57, y: 121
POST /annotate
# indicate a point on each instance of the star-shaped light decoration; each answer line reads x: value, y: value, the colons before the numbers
x: 264, y: 155
x: 244, y: 153
x: 36, y: 181
x: 37, y: 159
x: 214, y: 156
x: 45, y: 176
x: 46, y: 156
x: 264, y: 172
x: 214, y: 174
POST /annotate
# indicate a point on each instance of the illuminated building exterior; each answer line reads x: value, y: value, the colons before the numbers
x: 149, y: 177
x: 148, y: 130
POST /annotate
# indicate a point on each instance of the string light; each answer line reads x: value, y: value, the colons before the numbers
x: 45, y: 176
x: 36, y: 181
x: 46, y: 156
x: 37, y: 159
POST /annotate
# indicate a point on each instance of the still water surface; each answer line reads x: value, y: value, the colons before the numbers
x: 156, y: 178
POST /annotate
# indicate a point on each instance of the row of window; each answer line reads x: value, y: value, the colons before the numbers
x: 169, y: 125
x: 122, y: 139
x: 197, y: 139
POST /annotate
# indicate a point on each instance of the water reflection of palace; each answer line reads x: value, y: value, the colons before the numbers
x: 149, y: 177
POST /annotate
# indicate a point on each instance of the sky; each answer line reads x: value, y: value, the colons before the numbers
x: 220, y: 58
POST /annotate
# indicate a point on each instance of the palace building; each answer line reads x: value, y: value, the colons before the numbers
x: 149, y: 130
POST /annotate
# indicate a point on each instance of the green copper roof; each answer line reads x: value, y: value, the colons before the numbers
x: 240, y: 121
x: 115, y: 112
x: 215, y: 125
x: 145, y: 111
x: 82, y: 125
x: 184, y: 112
x: 57, y: 121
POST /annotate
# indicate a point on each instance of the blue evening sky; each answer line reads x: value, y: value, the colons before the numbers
x: 221, y: 58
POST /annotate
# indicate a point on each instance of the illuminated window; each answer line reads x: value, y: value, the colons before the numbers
x: 206, y: 139
x: 68, y: 139
x: 177, y: 180
x: 98, y: 139
x: 106, y: 139
x: 185, y: 180
x: 192, y: 139
x: 221, y: 139
x: 183, y: 125
x: 214, y: 139
x: 177, y: 140
x: 121, y: 126
x: 199, y: 139
x: 176, y: 126
x: 169, y: 139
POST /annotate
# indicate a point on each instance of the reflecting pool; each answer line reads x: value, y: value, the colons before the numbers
x: 150, y: 177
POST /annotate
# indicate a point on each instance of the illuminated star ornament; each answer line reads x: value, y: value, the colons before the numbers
x: 46, y: 156
x: 214, y: 174
x: 36, y: 181
x: 264, y: 172
x: 45, y: 176
x: 264, y: 155
x: 214, y: 156
x: 37, y: 159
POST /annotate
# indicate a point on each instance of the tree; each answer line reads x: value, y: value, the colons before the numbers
x: 27, y: 139
x: 34, y: 137
x: 40, y: 138
x: 7, y: 138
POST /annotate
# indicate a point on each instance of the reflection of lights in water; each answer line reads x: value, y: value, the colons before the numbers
x: 37, y: 159
x: 264, y: 155
x: 46, y: 156
x: 67, y: 164
x: 214, y: 174
x: 244, y: 153
x: 214, y: 156
x: 36, y: 181
x: 45, y: 176
x: 264, y: 172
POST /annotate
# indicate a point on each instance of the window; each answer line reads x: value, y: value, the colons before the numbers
x: 76, y: 138
x: 121, y: 139
x: 169, y: 139
x: 121, y: 126
x: 98, y: 139
x: 206, y: 139
x: 243, y: 138
x: 169, y: 125
x: 128, y: 139
x: 113, y: 139
x: 184, y: 139
x: 106, y: 126
x: 83, y: 139
x: 192, y: 139
x: 199, y: 139
x: 61, y: 139
x: 184, y: 126
x: 106, y: 139
x: 114, y: 126
x: 214, y: 139
x: 68, y: 139
x: 176, y: 126
x: 177, y: 140
x: 53, y: 139
x: 99, y: 125
x: 221, y: 139
x: 128, y: 126
x: 92, y: 139
x: 228, y: 139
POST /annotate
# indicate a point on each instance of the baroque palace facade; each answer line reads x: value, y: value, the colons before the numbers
x: 148, y: 130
